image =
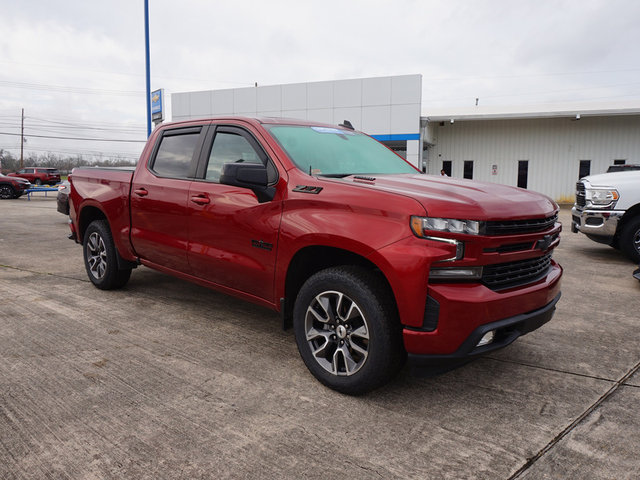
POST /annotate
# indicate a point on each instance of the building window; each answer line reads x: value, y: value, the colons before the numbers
x: 446, y: 166
x: 585, y: 168
x: 523, y: 173
x: 468, y: 169
x: 619, y: 161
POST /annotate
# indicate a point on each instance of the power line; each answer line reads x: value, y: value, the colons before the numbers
x: 78, y: 138
x: 67, y: 89
x: 75, y: 123
x: 63, y: 151
x: 531, y: 75
x: 137, y: 75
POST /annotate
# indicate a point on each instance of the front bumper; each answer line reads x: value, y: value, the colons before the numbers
x: 21, y: 188
x: 600, y: 225
x: 506, y: 332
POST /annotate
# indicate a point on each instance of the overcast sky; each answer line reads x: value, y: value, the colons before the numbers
x: 77, y: 66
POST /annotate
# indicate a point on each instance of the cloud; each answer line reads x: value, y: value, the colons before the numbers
x: 502, y: 51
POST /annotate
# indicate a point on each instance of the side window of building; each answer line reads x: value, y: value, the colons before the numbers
x: 232, y: 147
x: 584, y: 169
x: 175, y: 153
x: 468, y: 169
x: 523, y: 173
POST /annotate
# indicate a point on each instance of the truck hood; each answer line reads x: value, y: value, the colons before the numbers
x: 614, y: 179
x: 462, y: 199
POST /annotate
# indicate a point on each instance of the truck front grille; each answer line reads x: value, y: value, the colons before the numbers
x: 514, y: 227
x: 581, y: 198
x: 515, y: 274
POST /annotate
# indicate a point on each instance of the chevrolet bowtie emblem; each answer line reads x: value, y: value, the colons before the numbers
x: 544, y: 243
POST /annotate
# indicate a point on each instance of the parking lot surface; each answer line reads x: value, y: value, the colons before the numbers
x: 167, y: 380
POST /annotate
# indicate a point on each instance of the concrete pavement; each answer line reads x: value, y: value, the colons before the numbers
x: 165, y: 380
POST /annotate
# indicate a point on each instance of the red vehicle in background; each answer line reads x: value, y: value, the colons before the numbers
x: 12, y: 187
x: 371, y: 260
x: 39, y: 175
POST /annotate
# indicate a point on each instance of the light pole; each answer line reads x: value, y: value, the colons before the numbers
x: 148, y: 68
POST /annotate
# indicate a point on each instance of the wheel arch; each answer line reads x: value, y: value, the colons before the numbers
x: 87, y: 215
x: 630, y: 214
x: 311, y: 259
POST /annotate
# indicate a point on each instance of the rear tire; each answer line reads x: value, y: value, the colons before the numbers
x: 347, y: 329
x: 7, y: 192
x: 101, y: 257
x: 630, y: 239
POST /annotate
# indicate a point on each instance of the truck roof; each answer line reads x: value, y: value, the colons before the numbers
x: 256, y: 119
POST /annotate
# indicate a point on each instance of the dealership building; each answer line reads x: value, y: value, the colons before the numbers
x: 545, y: 148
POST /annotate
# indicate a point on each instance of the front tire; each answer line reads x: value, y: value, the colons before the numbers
x: 101, y: 257
x: 38, y: 182
x: 6, y: 192
x: 630, y: 239
x: 347, y: 329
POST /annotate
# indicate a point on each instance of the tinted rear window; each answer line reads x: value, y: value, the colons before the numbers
x: 175, y: 154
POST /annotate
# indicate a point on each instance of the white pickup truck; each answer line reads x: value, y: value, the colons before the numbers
x: 607, y: 210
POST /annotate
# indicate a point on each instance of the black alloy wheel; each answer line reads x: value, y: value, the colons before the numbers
x: 6, y: 192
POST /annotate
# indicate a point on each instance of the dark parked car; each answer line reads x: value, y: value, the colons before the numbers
x: 636, y: 274
x: 39, y: 175
x: 12, y: 187
x: 63, y: 197
x: 622, y: 168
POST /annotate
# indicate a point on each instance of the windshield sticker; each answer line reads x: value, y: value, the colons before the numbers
x: 336, y: 131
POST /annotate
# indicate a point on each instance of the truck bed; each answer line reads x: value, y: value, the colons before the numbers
x: 108, y: 189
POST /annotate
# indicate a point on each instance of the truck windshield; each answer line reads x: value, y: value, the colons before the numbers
x: 336, y: 152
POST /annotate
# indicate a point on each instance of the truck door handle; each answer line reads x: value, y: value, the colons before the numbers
x: 141, y: 192
x: 200, y: 199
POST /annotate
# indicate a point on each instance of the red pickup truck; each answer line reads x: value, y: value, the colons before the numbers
x: 371, y: 260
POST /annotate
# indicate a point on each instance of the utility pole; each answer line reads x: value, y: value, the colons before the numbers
x: 22, y: 142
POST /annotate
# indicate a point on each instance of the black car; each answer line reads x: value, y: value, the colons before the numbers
x: 636, y: 274
x: 63, y: 197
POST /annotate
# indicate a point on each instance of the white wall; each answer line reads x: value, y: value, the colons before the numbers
x: 376, y: 106
x: 553, y: 146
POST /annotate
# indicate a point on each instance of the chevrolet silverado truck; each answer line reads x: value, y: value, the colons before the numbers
x: 370, y: 260
x: 607, y: 210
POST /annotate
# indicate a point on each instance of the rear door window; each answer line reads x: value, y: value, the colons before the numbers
x: 176, y: 154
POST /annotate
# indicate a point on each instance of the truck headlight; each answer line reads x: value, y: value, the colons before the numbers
x: 420, y: 225
x: 602, y: 197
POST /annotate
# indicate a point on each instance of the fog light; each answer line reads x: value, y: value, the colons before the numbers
x: 487, y: 338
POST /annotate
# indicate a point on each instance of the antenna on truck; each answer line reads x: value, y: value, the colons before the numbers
x: 346, y: 124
